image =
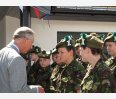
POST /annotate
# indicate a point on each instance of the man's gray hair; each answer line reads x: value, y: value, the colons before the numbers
x: 23, y: 32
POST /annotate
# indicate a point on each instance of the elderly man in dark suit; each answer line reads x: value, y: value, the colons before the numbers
x: 13, y: 77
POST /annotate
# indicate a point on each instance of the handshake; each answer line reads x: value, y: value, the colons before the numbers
x: 39, y: 88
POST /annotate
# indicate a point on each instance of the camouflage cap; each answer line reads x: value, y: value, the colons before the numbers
x: 65, y: 42
x: 111, y: 37
x: 45, y: 54
x: 91, y: 41
x: 35, y: 49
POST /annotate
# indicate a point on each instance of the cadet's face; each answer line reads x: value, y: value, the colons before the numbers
x: 44, y: 62
x: 57, y: 59
x: 54, y: 57
x: 64, y: 55
x: 33, y: 56
x: 111, y: 48
x: 78, y: 50
x: 83, y: 54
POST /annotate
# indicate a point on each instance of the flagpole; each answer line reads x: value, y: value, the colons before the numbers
x: 25, y: 16
x: 25, y: 20
x: 21, y: 16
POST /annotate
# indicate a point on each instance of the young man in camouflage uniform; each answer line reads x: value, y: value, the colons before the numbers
x: 57, y: 65
x: 32, y: 73
x: 54, y: 57
x: 98, y: 78
x: 44, y: 72
x: 67, y: 78
x: 104, y: 52
x: 78, y: 58
x: 110, y: 43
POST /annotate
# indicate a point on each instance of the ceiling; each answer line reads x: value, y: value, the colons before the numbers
x: 80, y: 13
x: 14, y: 11
x: 83, y: 13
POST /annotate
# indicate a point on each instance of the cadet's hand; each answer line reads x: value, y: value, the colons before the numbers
x: 78, y: 90
x: 41, y: 90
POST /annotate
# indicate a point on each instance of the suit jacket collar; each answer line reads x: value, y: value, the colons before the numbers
x: 14, y: 46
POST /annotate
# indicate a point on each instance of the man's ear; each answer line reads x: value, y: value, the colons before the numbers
x: 71, y: 52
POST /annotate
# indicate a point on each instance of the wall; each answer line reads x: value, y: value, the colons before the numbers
x: 46, y: 32
x: 11, y: 24
x: 2, y: 33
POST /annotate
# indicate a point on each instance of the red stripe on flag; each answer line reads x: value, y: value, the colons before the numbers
x: 37, y: 12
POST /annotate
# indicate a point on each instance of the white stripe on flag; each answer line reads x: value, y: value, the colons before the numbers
x: 21, y: 8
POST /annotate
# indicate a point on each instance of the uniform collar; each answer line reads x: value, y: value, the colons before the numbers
x: 114, y: 59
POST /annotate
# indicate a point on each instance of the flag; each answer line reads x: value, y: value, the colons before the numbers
x: 37, y: 12
x: 21, y: 8
x: 46, y: 15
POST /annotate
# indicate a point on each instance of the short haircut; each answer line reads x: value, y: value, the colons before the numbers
x: 94, y: 50
x: 68, y: 48
x: 23, y: 32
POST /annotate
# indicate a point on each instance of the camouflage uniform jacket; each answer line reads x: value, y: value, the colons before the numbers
x: 32, y: 74
x: 43, y: 77
x: 98, y: 80
x: 67, y: 78
x: 111, y: 62
x: 85, y: 64
x: 53, y: 65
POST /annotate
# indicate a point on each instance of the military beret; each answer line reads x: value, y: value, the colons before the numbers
x: 111, y: 37
x: 35, y: 49
x: 54, y: 51
x: 100, y: 36
x: 65, y: 42
x: 94, y: 34
x: 45, y: 54
x: 91, y: 41
x: 77, y: 43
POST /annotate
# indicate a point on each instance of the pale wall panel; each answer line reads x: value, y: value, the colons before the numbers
x: 46, y: 32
